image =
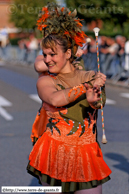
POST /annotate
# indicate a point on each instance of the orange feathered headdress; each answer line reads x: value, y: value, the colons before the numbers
x: 60, y: 20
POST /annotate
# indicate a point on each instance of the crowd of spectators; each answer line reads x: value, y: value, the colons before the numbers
x: 113, y: 53
x: 28, y: 49
x: 25, y: 51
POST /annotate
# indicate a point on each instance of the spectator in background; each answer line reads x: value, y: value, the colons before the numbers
x: 90, y: 55
x: 86, y: 55
x: 126, y: 67
x: 103, y: 51
x: 4, y: 41
x: 120, y: 40
x: 33, y: 46
x: 93, y: 51
x: 111, y: 65
x: 22, y: 50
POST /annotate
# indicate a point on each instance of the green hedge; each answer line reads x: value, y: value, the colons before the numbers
x: 14, y: 41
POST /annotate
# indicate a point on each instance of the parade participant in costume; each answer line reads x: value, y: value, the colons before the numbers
x: 66, y: 152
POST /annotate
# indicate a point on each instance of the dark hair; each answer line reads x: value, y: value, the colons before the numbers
x: 53, y: 39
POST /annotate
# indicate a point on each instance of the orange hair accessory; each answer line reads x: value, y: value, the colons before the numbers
x: 60, y: 20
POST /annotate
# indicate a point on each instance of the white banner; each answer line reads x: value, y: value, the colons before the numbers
x: 20, y: 189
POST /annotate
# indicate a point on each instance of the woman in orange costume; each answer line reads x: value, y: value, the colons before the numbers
x: 66, y: 152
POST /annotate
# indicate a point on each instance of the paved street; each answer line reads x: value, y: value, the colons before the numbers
x: 18, y: 106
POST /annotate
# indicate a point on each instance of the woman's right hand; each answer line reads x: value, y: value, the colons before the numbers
x: 92, y: 93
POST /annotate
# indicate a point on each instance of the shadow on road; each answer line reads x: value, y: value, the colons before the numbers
x: 123, y: 163
x: 34, y: 182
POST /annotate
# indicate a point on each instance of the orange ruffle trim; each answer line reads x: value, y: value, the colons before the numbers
x: 39, y: 124
x: 68, y: 163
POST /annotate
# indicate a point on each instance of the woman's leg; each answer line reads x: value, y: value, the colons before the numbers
x: 46, y: 184
x: 43, y: 183
x: 96, y: 190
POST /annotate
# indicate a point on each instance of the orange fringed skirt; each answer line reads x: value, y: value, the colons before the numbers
x: 68, y: 158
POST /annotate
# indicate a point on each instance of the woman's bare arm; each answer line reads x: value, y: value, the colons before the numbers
x: 48, y: 92
x: 39, y: 64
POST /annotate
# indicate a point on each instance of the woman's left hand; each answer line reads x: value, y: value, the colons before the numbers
x: 100, y: 79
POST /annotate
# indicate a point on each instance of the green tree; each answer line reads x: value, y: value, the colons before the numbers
x: 113, y: 13
x: 24, y: 13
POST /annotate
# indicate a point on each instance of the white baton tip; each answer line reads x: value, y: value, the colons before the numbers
x: 96, y: 31
x: 104, y: 140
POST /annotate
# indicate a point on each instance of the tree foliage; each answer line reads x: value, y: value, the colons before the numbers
x: 24, y: 13
x: 112, y: 12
